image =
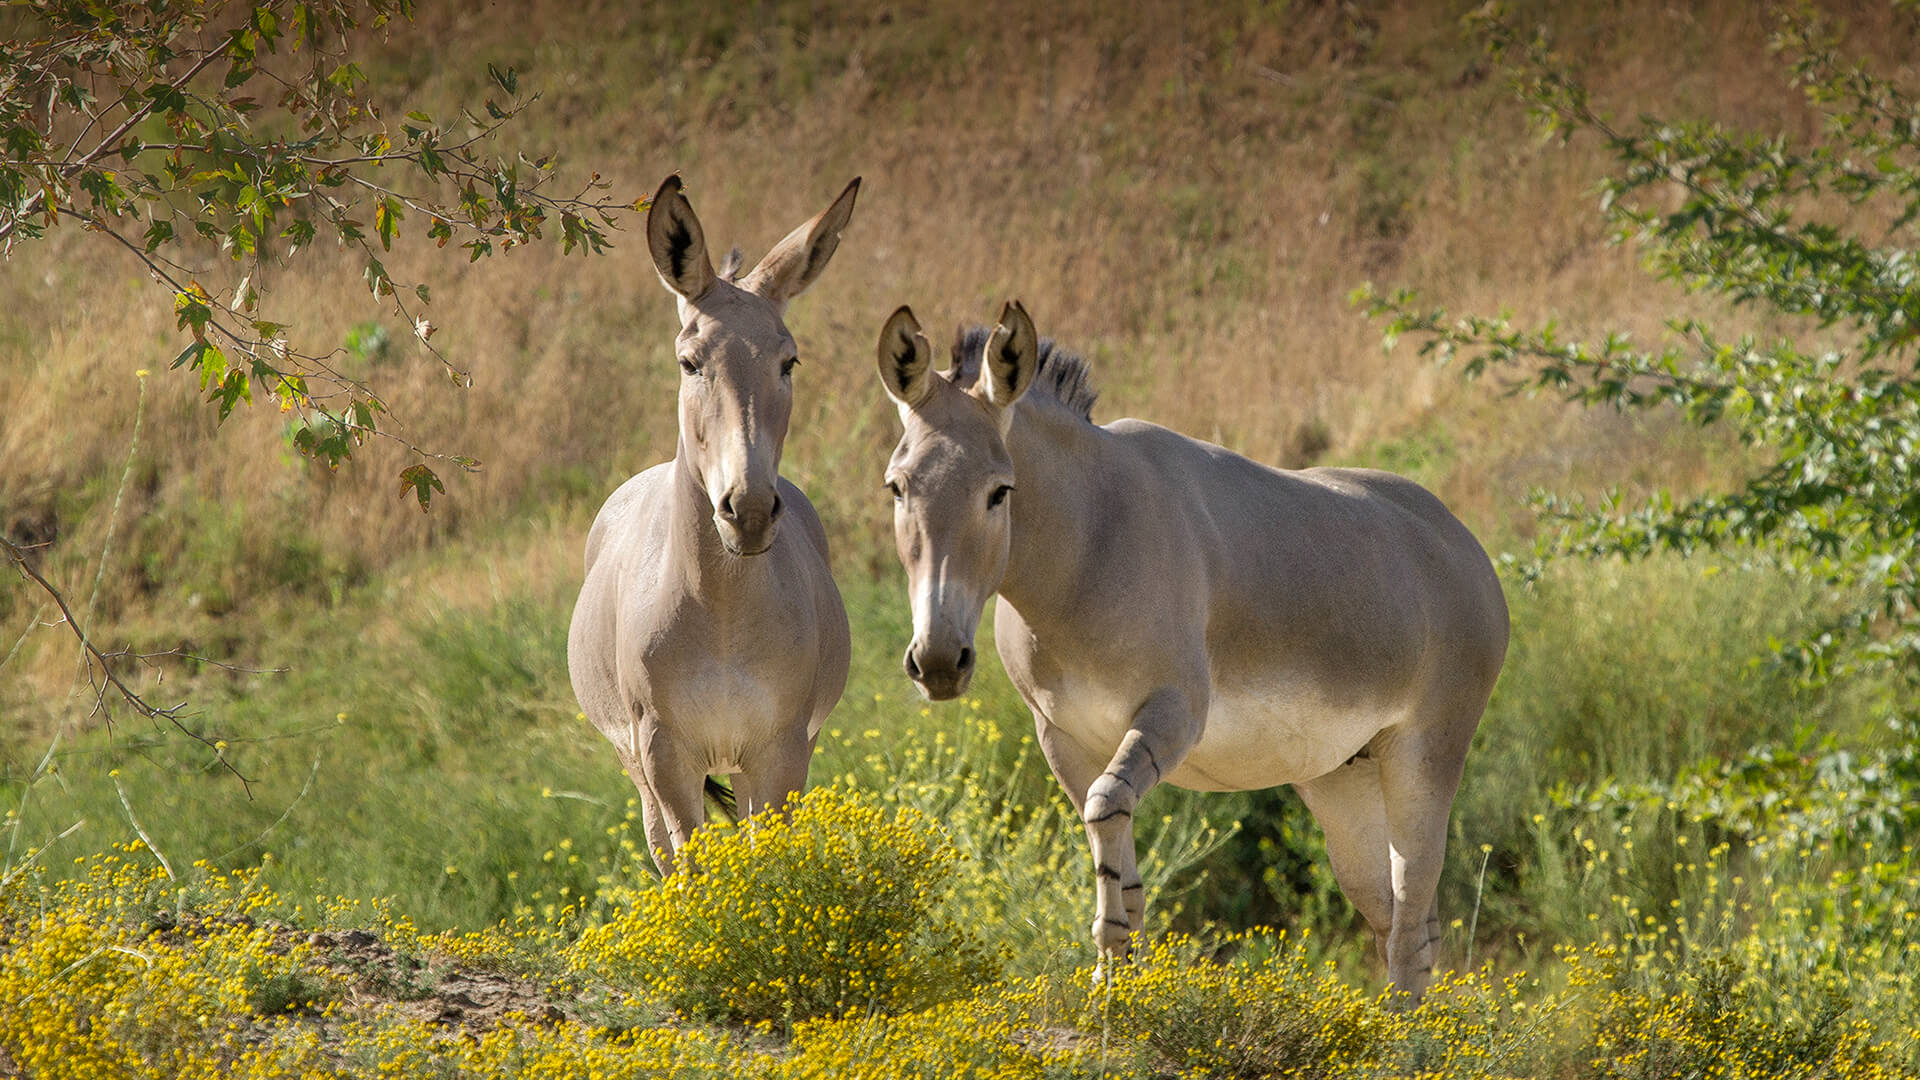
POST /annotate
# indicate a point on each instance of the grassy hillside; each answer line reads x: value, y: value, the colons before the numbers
x: 1185, y: 197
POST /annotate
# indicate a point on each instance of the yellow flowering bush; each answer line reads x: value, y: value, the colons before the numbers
x: 1268, y: 1012
x: 1718, y: 1021
x: 115, y: 972
x: 528, y: 1051
x: 829, y: 910
x: 1024, y: 881
x: 967, y: 1040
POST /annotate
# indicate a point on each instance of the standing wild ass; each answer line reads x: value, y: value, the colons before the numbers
x: 709, y: 636
x: 1171, y: 610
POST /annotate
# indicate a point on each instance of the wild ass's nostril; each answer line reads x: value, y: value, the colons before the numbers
x: 965, y: 663
x: 775, y: 512
x: 726, y: 505
x: 912, y: 666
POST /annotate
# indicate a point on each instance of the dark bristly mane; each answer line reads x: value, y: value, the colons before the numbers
x: 1064, y: 377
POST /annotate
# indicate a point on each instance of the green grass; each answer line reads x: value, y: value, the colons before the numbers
x: 437, y: 756
x: 430, y: 760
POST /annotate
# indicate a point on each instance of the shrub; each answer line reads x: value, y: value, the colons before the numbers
x: 1023, y: 879
x: 524, y: 1050
x: 828, y: 911
x: 1268, y: 1012
x: 116, y: 974
x: 1719, y: 1019
x: 1817, y: 235
x: 970, y: 1040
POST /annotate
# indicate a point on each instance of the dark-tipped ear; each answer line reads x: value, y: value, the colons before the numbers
x: 1012, y: 357
x: 906, y: 359
x: 796, y: 262
x: 679, y: 247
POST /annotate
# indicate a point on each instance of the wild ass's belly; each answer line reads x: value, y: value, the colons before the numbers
x: 721, y: 706
x: 1257, y: 734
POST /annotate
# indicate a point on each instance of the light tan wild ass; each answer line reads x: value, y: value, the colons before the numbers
x: 1173, y: 611
x: 709, y: 636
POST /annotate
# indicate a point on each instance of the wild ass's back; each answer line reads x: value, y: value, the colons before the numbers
x: 709, y: 636
x: 1171, y: 610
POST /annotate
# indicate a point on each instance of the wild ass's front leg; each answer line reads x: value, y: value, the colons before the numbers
x: 1163, y: 731
x: 1074, y: 767
x: 675, y: 788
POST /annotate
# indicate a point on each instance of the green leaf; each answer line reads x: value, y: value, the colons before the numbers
x: 191, y: 311
x: 386, y: 217
x: 506, y: 80
x: 233, y: 389
x: 421, y: 483
x: 190, y: 355
x: 213, y: 369
x: 158, y: 233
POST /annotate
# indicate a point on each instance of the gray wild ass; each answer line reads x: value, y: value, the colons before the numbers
x: 709, y: 636
x: 1171, y: 610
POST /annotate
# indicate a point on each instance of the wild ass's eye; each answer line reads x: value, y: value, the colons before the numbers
x: 999, y: 495
x: 787, y: 366
x: 687, y: 367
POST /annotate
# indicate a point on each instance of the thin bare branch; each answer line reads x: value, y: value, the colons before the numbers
x: 107, y: 680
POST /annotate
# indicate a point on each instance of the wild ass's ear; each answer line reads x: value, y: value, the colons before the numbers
x: 679, y: 247
x: 796, y: 262
x: 906, y: 359
x: 1012, y: 358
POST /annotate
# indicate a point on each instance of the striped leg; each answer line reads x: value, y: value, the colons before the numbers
x: 1076, y: 768
x: 1164, y: 730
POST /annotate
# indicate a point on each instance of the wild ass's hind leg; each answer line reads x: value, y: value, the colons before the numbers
x: 1162, y: 733
x: 1352, y: 813
x: 1419, y: 775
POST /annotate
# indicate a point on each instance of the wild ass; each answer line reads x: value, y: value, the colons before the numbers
x: 1173, y: 611
x: 709, y: 636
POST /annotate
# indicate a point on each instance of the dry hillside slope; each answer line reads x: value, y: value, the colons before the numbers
x: 1186, y: 197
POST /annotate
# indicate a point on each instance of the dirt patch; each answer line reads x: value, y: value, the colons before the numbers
x: 437, y: 990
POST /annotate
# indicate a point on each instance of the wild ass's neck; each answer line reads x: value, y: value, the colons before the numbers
x: 698, y: 553
x: 1055, y: 455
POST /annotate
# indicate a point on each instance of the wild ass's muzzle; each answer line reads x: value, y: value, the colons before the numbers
x: 747, y: 518
x: 942, y: 673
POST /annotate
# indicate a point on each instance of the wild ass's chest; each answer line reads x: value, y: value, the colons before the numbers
x: 731, y: 664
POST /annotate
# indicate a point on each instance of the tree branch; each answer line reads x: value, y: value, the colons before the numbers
x: 68, y: 171
x: 107, y: 680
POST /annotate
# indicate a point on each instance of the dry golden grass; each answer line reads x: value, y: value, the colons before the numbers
x: 1187, y: 197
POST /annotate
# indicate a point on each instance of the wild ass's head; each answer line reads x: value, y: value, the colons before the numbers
x: 951, y: 478
x: 737, y: 358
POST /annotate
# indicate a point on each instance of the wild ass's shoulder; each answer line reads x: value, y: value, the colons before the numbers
x: 625, y: 506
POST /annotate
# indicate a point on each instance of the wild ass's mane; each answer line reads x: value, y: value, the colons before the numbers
x: 1064, y: 377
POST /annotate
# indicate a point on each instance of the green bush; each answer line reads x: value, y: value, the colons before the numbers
x: 830, y: 911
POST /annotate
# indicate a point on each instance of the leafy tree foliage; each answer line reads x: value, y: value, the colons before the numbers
x: 196, y: 133
x: 207, y: 139
x: 1823, y: 233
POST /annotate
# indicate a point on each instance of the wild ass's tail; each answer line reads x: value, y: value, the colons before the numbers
x: 723, y: 797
